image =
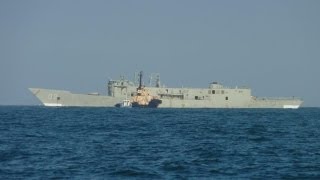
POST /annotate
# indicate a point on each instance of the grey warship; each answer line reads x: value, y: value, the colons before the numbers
x: 214, y: 96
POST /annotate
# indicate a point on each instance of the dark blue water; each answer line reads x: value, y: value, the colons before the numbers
x: 110, y: 143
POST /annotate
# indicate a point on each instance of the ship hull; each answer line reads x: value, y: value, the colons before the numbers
x: 61, y: 98
x: 49, y: 97
x: 152, y: 104
x: 270, y: 103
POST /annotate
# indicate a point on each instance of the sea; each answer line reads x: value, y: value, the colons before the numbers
x: 39, y: 142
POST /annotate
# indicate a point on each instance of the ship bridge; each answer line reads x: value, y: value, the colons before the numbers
x: 120, y: 87
x: 215, y: 85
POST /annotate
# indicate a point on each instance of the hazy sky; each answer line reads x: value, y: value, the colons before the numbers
x: 272, y: 46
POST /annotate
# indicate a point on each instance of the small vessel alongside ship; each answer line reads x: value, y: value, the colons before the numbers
x: 143, y: 97
x: 124, y: 104
x: 157, y: 96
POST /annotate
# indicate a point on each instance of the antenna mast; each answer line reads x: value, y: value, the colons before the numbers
x: 140, y: 80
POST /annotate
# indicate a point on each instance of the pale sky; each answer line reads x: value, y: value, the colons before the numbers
x: 272, y: 46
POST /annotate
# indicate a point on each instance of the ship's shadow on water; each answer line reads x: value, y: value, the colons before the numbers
x: 115, y: 143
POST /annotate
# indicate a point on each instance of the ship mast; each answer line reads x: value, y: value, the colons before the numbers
x: 140, y: 80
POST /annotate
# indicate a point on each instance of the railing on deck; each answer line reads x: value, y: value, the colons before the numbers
x: 278, y: 98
